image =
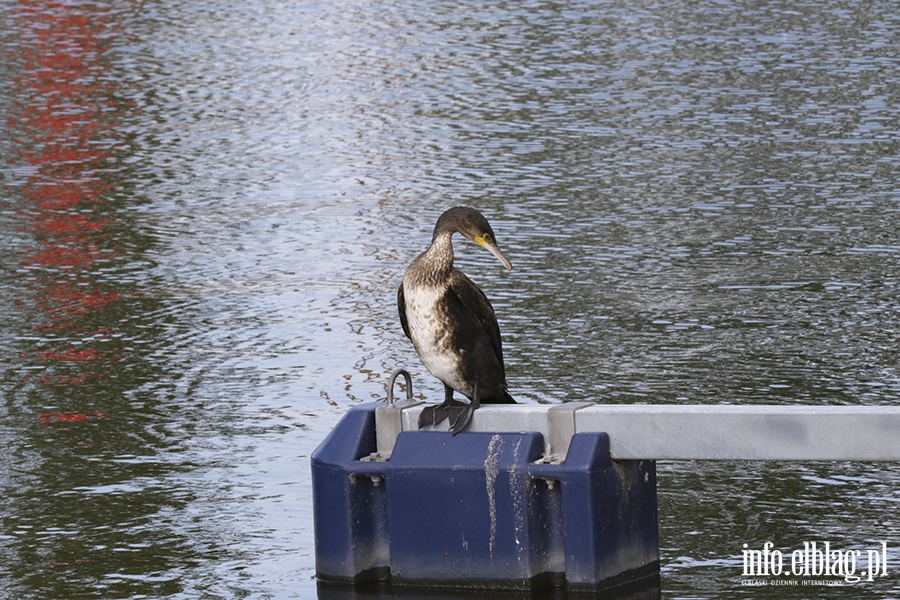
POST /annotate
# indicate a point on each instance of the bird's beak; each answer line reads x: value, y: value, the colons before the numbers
x: 493, y: 249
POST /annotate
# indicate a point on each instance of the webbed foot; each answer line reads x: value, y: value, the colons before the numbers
x: 432, y: 415
x: 460, y: 416
x: 459, y: 413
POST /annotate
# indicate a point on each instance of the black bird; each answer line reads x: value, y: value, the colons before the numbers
x: 451, y: 322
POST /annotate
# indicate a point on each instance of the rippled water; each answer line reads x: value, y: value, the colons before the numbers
x: 206, y: 209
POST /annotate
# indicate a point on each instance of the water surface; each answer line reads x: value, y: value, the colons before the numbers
x: 207, y: 207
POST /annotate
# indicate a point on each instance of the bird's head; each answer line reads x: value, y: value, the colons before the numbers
x: 471, y: 224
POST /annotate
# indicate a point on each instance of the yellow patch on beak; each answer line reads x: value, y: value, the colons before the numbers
x: 478, y: 240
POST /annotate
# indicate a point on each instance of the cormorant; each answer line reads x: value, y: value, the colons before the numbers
x: 451, y: 322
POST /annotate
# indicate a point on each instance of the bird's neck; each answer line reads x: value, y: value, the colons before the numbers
x: 436, y: 263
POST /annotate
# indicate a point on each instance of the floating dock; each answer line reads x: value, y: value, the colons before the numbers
x: 542, y: 495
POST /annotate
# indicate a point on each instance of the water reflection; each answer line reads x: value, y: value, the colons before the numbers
x: 85, y: 486
x: 645, y: 590
x: 63, y: 150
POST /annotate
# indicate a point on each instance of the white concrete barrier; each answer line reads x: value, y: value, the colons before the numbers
x: 687, y: 432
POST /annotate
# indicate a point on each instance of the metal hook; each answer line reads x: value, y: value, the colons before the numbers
x: 390, y: 392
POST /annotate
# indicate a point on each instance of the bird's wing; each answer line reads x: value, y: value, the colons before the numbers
x: 401, y: 306
x: 471, y: 297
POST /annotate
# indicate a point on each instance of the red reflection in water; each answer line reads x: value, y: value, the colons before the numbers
x: 60, y: 128
x: 77, y: 355
x: 63, y: 300
x: 70, y: 417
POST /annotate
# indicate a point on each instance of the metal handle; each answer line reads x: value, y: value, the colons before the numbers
x: 390, y: 391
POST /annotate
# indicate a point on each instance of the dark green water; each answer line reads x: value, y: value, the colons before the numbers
x: 206, y: 207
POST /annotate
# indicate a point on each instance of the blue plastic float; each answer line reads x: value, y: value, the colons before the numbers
x: 480, y: 510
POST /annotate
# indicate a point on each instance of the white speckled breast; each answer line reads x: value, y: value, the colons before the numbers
x: 429, y: 334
